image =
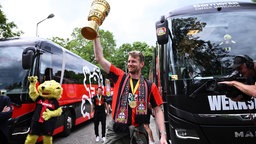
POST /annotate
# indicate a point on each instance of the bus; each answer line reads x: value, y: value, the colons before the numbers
x: 23, y: 57
x: 195, y: 49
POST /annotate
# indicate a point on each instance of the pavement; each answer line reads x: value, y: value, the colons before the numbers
x: 154, y: 129
x: 152, y: 126
x: 84, y: 133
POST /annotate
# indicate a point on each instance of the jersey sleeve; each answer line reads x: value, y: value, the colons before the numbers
x: 115, y: 73
x: 155, y: 97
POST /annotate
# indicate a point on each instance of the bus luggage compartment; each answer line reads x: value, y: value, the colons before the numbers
x: 230, y: 134
x: 188, y: 131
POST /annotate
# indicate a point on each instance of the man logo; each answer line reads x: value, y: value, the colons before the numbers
x: 245, y: 134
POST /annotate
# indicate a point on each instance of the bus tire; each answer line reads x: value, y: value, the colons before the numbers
x: 68, y: 123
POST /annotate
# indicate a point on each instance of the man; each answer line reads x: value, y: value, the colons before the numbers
x: 147, y: 125
x: 108, y: 93
x: 246, y: 67
x: 132, y: 94
x: 5, y: 114
x: 99, y: 108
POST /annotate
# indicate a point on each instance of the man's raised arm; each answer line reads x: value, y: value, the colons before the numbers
x: 99, y: 57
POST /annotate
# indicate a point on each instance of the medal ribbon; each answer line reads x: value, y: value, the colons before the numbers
x: 99, y: 97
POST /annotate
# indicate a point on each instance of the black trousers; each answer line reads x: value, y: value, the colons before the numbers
x: 100, y: 117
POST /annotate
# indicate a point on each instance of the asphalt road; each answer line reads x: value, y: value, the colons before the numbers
x: 84, y: 134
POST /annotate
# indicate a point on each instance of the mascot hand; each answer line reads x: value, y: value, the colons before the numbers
x: 32, y: 79
x: 33, y: 94
x: 49, y: 114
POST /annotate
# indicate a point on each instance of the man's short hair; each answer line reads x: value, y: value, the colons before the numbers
x: 238, y: 61
x: 241, y: 59
x: 139, y: 54
x: 99, y: 88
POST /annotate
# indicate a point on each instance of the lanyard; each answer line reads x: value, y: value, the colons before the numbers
x: 99, y: 97
x: 134, y: 89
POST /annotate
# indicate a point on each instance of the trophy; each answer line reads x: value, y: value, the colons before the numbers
x: 99, y: 10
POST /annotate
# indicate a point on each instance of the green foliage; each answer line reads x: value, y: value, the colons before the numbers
x: 7, y: 29
x: 117, y: 56
x: 61, y: 41
x: 84, y: 48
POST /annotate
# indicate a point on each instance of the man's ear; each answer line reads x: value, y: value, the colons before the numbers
x: 142, y: 64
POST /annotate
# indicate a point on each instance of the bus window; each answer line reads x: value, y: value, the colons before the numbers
x: 44, y: 66
x: 50, y: 62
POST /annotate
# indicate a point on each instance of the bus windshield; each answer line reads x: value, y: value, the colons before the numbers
x: 11, y: 72
x: 205, y: 44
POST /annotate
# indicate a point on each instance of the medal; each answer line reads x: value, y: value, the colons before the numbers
x: 99, y: 98
x: 132, y: 104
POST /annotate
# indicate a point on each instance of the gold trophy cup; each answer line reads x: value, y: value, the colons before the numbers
x: 99, y: 10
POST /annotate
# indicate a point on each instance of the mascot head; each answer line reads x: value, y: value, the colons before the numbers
x: 50, y: 89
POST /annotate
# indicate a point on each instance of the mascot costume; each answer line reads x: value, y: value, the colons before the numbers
x: 47, y: 109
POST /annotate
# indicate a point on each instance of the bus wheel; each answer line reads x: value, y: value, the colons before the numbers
x: 68, y: 123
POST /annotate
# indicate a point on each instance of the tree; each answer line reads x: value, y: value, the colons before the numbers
x: 7, y: 28
x: 117, y: 56
x: 84, y: 48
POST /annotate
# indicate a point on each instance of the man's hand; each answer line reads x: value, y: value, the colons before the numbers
x: 163, y: 140
x: 107, y: 112
x: 92, y: 114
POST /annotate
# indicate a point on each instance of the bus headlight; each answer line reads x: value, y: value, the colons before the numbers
x: 186, y: 134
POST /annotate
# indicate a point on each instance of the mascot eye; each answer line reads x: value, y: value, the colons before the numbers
x: 58, y: 88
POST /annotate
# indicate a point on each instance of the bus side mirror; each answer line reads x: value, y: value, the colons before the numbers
x: 162, y: 31
x: 16, y: 100
x: 27, y: 57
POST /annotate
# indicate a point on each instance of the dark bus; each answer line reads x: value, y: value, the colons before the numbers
x: 195, y: 49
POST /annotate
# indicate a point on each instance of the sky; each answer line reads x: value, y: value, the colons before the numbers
x: 128, y: 20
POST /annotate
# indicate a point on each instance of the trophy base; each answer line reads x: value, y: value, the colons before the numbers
x: 90, y: 32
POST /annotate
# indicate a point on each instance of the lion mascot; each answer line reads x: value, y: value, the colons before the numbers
x: 47, y: 109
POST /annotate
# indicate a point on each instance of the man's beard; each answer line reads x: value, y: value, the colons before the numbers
x: 134, y: 71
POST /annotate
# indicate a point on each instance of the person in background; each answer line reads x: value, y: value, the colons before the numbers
x: 99, y: 111
x: 246, y: 67
x: 131, y: 96
x: 147, y: 125
x: 108, y: 93
x: 5, y: 114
